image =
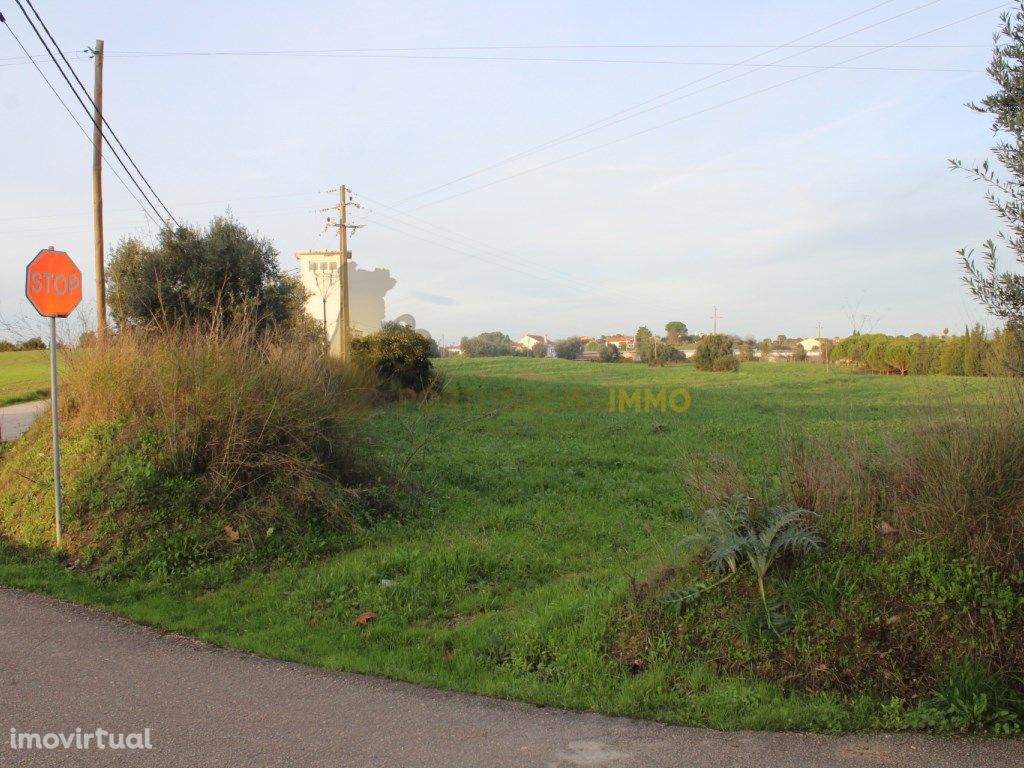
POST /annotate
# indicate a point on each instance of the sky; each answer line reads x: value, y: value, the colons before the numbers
x: 635, y: 169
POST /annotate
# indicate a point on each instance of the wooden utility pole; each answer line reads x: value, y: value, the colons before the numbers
x: 344, y: 316
x: 97, y: 191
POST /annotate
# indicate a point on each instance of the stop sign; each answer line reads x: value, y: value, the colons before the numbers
x: 53, y: 284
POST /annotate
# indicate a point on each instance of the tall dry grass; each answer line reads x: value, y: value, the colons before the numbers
x: 264, y: 421
x: 955, y: 476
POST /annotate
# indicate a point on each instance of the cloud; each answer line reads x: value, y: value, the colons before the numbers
x: 433, y: 298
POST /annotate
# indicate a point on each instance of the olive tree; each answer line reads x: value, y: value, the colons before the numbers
x: 999, y: 290
x: 193, y: 276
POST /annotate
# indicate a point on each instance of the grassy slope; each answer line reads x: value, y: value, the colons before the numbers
x: 537, y: 504
x: 24, y: 376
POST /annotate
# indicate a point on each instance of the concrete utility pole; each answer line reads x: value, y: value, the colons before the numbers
x: 344, y: 316
x: 824, y: 347
x: 97, y: 190
x: 714, y: 320
x: 342, y: 348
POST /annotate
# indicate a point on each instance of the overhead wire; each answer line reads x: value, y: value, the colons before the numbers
x: 92, y: 119
x: 687, y: 116
x: 651, y: 103
x: 80, y: 126
x: 85, y: 90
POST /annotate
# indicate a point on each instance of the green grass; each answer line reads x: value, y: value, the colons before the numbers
x: 24, y: 376
x: 534, y: 507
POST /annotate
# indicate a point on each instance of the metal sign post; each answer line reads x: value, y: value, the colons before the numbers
x: 53, y: 285
x: 56, y: 430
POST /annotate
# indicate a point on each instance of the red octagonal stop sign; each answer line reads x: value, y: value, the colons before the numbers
x: 53, y: 283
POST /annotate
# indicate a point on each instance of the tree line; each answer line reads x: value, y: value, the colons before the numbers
x: 975, y: 353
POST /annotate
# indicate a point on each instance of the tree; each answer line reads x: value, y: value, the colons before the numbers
x: 34, y: 343
x: 745, y: 352
x: 951, y: 362
x: 676, y: 331
x: 714, y: 353
x: 899, y: 355
x: 540, y: 349
x: 799, y: 353
x: 976, y: 352
x: 490, y: 344
x: 1000, y: 291
x: 610, y: 353
x: 569, y: 349
x: 192, y: 277
x: 642, y: 336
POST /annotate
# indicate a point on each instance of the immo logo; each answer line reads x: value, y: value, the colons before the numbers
x: 79, y: 739
x: 649, y: 400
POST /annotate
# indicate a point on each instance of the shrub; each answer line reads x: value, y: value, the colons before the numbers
x: 398, y: 356
x: 610, y: 353
x: 714, y: 353
x: 658, y: 353
x: 185, y: 446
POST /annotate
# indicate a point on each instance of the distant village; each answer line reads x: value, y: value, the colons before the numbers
x: 779, y: 349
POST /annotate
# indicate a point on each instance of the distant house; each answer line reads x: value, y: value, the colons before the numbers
x: 530, y: 340
x: 452, y: 351
x: 811, y: 346
x: 622, y: 342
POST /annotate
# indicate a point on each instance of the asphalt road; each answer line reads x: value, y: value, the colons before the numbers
x: 16, y: 419
x: 64, y: 667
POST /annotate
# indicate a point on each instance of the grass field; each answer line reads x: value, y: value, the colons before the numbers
x: 536, y: 503
x: 24, y: 376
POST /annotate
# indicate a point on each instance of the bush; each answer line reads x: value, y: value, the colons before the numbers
x: 610, y: 353
x: 569, y: 349
x: 714, y: 353
x: 187, y: 446
x: 398, y: 356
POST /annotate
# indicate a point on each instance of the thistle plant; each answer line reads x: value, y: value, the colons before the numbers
x: 733, y: 536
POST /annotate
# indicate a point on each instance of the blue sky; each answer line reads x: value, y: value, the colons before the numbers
x: 785, y: 195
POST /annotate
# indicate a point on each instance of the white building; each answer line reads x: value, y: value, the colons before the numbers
x: 811, y: 346
x: 530, y: 340
x: 319, y: 272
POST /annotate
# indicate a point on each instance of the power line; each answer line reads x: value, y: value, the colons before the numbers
x: 591, y: 60
x: 453, y: 248
x: 684, y: 117
x: 84, y: 107
x: 643, y: 107
x: 102, y: 118
x: 613, y: 46
x: 450, y: 234
x: 75, y: 121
